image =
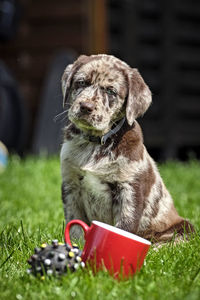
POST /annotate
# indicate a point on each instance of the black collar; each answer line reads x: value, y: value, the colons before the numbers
x: 103, y: 139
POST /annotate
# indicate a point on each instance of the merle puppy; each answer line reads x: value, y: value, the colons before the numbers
x: 107, y: 173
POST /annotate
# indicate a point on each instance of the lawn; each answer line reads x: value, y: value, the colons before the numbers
x: 31, y: 213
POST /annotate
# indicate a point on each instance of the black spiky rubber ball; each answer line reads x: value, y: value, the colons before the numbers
x: 55, y: 259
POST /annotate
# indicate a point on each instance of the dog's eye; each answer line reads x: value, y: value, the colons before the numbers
x: 111, y: 92
x: 82, y: 83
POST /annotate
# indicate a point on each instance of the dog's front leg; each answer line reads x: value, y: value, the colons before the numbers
x: 126, y: 209
x: 72, y: 209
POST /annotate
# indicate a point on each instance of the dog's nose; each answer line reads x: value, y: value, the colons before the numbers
x: 86, y: 107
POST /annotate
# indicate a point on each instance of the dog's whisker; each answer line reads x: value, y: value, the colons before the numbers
x: 113, y: 124
x: 63, y: 119
x: 60, y: 115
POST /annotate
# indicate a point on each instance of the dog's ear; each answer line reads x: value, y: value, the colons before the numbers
x: 139, y: 96
x: 68, y: 76
x: 66, y: 82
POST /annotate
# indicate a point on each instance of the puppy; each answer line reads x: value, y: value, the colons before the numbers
x: 107, y: 173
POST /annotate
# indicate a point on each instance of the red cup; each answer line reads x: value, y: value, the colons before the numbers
x: 120, y: 252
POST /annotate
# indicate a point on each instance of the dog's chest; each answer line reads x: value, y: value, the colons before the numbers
x: 96, y: 198
x: 87, y: 183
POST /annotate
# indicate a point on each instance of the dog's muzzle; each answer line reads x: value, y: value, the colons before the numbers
x: 87, y: 107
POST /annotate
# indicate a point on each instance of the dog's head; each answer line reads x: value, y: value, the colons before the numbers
x: 101, y: 89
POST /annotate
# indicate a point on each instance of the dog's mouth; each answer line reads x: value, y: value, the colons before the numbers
x: 94, y: 135
x: 86, y: 126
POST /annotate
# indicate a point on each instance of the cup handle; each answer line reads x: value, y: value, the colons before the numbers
x: 70, y: 224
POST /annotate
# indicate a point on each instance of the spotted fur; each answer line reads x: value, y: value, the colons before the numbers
x: 117, y: 183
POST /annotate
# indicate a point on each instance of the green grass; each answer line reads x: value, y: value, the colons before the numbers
x: 31, y: 213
